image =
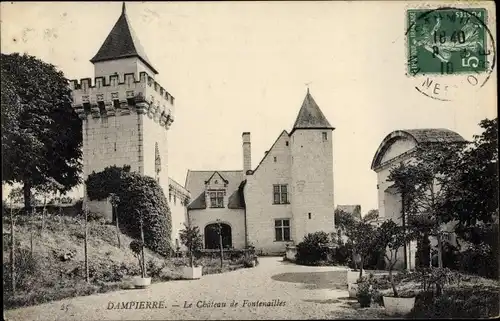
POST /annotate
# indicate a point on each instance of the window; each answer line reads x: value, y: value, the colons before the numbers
x: 282, y: 230
x: 175, y: 199
x: 286, y: 143
x: 170, y: 197
x: 309, y: 215
x: 325, y: 136
x: 275, y: 159
x: 217, y: 199
x: 280, y: 193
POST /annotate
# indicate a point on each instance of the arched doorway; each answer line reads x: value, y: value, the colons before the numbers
x: 212, y: 239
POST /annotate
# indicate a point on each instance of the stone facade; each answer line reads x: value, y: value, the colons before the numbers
x: 125, y: 116
x: 289, y: 194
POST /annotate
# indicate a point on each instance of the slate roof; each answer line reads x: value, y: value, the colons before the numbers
x: 434, y: 135
x: 195, y: 184
x: 422, y: 136
x: 122, y: 43
x: 354, y: 210
x: 310, y: 116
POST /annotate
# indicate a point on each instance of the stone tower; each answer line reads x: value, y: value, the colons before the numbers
x: 125, y: 113
x: 312, y: 171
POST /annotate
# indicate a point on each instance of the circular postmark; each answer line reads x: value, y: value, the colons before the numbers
x: 450, y: 51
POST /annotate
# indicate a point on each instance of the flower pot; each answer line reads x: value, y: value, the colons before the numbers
x: 192, y: 273
x: 140, y: 282
x: 352, y: 276
x: 353, y: 290
x: 364, y: 300
x: 398, y: 306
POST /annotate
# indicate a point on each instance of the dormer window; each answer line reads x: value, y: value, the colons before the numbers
x: 216, y: 199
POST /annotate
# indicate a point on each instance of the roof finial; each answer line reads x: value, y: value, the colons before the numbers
x: 124, y: 9
x: 307, y: 84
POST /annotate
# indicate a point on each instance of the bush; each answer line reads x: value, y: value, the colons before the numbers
x: 136, y: 193
x: 26, y: 269
x: 457, y: 303
x: 341, y: 254
x: 480, y: 261
x: 313, y: 249
x: 366, y: 290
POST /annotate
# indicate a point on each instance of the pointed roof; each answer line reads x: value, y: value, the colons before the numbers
x: 122, y: 43
x: 310, y: 116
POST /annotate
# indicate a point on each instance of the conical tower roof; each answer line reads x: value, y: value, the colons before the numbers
x: 310, y: 116
x: 122, y: 43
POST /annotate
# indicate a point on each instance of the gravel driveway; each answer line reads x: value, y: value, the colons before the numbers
x: 272, y: 290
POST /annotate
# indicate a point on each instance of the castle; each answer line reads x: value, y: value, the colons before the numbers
x: 126, y: 116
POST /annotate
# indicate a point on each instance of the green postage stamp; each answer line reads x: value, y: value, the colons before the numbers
x: 447, y: 41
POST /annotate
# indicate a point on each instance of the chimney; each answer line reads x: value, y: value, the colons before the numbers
x: 247, y: 152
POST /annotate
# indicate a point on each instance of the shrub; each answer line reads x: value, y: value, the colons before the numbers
x: 366, y: 290
x: 136, y: 193
x: 479, y: 260
x: 341, y: 254
x: 313, y: 249
x: 26, y: 269
x: 457, y: 303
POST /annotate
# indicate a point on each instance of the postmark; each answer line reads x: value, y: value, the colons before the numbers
x: 450, y: 51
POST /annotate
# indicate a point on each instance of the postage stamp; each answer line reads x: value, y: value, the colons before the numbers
x: 447, y: 41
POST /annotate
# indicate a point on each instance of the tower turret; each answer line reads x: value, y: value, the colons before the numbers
x: 312, y: 171
x: 125, y: 113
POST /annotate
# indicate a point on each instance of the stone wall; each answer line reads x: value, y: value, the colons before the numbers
x: 312, y: 182
x: 258, y: 191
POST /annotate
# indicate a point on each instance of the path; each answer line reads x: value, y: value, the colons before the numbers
x: 299, y: 292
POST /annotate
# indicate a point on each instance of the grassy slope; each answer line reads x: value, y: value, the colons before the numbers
x: 51, y: 278
x: 110, y: 267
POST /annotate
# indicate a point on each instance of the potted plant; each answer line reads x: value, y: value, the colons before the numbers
x: 138, y: 248
x: 365, y: 291
x: 392, y: 238
x: 191, y: 238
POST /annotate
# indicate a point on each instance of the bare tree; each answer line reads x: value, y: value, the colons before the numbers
x: 15, y: 196
x: 86, y: 213
x: 115, y: 200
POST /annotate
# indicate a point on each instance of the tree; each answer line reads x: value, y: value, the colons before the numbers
x: 191, y: 238
x: 391, y: 237
x: 424, y: 184
x: 115, y: 201
x: 372, y: 215
x: 363, y: 237
x: 45, y: 191
x: 42, y: 137
x: 474, y: 194
x: 14, y: 197
x: 136, y: 191
x: 86, y: 242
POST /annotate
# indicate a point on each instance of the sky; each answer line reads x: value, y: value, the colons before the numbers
x: 243, y: 66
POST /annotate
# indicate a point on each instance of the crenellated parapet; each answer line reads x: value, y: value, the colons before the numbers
x: 121, y: 95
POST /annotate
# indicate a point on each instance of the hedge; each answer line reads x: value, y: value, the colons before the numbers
x: 136, y: 193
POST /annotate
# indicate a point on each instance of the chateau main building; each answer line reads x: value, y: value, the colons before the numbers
x: 126, y: 117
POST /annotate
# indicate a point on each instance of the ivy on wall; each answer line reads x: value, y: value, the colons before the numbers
x: 139, y: 195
